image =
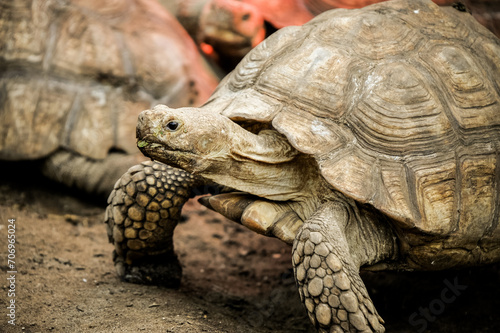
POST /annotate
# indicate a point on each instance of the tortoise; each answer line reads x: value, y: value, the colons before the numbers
x: 74, y: 76
x: 367, y: 138
x: 225, y: 30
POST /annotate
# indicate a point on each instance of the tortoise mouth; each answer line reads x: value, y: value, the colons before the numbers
x: 151, y: 146
x: 225, y: 36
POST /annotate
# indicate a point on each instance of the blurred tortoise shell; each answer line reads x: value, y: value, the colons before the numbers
x: 75, y: 74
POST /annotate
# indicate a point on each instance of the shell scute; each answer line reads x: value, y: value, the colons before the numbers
x: 247, y: 71
x: 314, y: 135
x: 30, y: 27
x: 473, y: 101
x: 395, y: 180
x: 369, y: 34
x: 83, y: 46
x: 314, y: 78
x: 36, y: 120
x: 479, y: 183
x: 398, y: 114
x: 490, y: 49
x: 435, y: 190
x: 89, y: 129
x: 383, y: 183
x: 252, y: 105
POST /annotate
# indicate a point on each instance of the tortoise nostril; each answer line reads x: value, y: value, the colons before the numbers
x: 141, y: 119
x: 143, y: 123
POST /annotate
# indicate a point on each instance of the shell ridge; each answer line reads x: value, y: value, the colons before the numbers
x: 71, y: 119
x: 458, y: 193
x: 496, y: 211
x: 496, y: 215
x: 412, y: 192
x: 51, y: 44
x: 469, y: 102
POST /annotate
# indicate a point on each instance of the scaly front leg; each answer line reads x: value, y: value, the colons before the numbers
x: 144, y: 208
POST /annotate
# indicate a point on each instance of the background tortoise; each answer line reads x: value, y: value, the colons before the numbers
x: 74, y: 76
x: 225, y: 30
x: 368, y: 138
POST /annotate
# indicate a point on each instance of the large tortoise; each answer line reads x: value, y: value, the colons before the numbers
x: 74, y: 75
x: 370, y: 139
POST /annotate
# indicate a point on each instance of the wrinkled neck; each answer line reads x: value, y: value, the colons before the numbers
x: 268, y: 146
x: 263, y: 164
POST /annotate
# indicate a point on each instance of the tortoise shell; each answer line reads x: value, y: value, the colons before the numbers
x: 76, y: 74
x: 398, y: 102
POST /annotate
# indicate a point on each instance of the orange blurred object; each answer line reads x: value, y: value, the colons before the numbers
x: 207, y: 49
x: 282, y: 13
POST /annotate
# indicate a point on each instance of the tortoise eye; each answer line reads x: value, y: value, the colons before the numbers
x: 172, y: 125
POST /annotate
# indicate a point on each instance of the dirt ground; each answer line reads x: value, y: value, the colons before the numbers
x: 233, y: 281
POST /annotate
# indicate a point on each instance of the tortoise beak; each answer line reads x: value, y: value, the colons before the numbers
x: 147, y: 133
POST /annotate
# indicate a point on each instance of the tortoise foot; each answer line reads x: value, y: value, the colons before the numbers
x: 161, y: 270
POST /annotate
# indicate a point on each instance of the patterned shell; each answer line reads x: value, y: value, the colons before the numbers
x: 76, y: 74
x: 398, y: 102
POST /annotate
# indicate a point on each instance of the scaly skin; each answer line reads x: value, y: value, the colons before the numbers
x: 327, y: 273
x: 144, y: 208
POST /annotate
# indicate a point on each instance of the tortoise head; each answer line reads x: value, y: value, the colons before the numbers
x: 209, y: 144
x: 185, y: 138
x: 233, y: 27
